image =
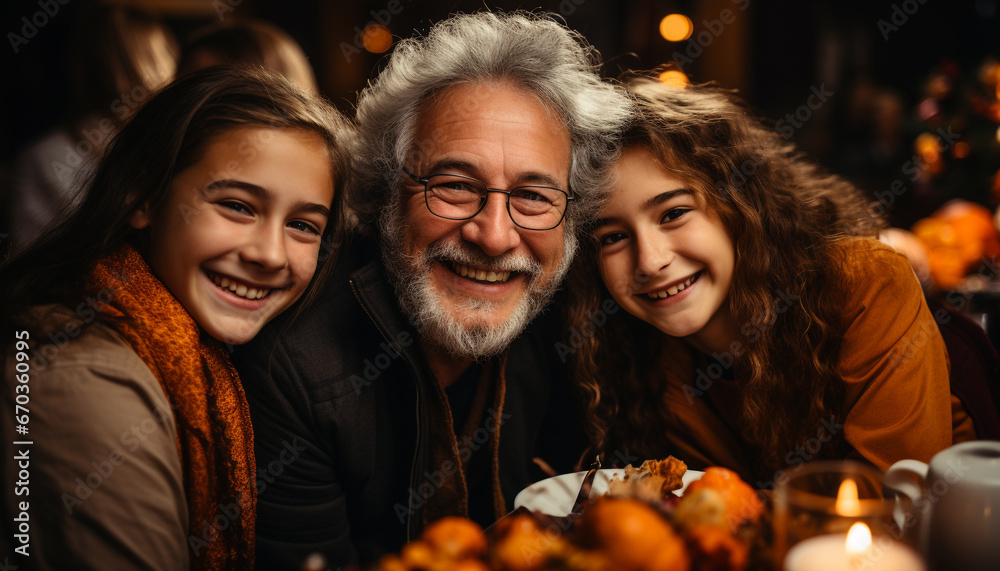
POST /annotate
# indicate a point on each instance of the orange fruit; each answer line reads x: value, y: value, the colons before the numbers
x: 947, y: 268
x: 958, y: 236
x: 469, y: 565
x: 455, y: 537
x: 632, y: 535
x: 742, y: 502
x: 715, y: 548
x: 391, y: 563
x: 417, y: 554
x: 931, y: 232
x: 523, y: 544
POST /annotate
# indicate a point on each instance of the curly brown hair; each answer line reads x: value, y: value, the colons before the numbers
x: 784, y: 215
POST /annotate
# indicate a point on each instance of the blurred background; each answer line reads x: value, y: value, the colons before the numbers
x: 900, y: 96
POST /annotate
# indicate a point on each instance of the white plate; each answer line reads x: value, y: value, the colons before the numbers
x: 555, y: 496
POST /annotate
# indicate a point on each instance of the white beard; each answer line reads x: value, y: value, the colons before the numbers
x: 473, y: 336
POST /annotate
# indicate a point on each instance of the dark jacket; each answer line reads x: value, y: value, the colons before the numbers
x: 342, y: 427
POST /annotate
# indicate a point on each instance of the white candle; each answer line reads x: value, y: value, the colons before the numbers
x: 829, y: 553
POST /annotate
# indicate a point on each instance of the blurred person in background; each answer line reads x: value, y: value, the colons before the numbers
x: 119, y: 57
x: 247, y: 42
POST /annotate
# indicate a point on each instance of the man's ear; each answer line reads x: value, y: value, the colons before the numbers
x: 140, y: 218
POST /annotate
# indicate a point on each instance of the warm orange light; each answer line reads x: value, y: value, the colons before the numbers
x: 961, y: 150
x: 929, y: 150
x: 847, y: 499
x: 376, y: 38
x: 926, y: 143
x: 859, y: 539
x: 674, y: 78
x: 676, y: 28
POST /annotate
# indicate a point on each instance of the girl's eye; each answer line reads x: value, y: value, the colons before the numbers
x: 237, y: 206
x: 304, y: 227
x: 611, y: 238
x: 673, y: 214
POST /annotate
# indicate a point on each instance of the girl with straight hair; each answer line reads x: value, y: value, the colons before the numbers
x: 205, y: 218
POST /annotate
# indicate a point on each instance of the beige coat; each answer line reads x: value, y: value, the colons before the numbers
x: 104, y: 487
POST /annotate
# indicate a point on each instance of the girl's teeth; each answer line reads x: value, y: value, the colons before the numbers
x: 239, y: 289
x: 672, y: 290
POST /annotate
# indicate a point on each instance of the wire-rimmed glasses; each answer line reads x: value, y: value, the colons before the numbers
x: 458, y: 197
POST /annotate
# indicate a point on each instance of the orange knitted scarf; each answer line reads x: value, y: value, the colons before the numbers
x: 214, y: 436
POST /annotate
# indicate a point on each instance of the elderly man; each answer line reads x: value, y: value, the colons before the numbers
x: 421, y: 384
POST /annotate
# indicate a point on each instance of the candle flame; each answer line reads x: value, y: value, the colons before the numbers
x: 847, y: 499
x: 859, y: 539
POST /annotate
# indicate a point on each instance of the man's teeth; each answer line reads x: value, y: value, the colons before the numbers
x: 481, y: 274
x: 239, y: 289
x: 673, y: 290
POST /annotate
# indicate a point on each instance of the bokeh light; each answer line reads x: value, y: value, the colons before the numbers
x: 676, y: 28
x: 377, y: 38
x: 674, y: 78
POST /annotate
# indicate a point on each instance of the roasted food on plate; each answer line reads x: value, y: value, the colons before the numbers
x: 640, y: 525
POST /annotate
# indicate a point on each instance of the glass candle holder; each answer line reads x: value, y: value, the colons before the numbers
x: 820, y: 503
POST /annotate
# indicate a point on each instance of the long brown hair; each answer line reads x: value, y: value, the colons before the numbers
x: 783, y: 214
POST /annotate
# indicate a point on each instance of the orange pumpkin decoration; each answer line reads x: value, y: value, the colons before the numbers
x: 958, y: 236
x: 742, y: 502
x: 633, y: 535
x: 456, y: 538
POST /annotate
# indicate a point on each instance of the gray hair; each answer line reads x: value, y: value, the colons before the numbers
x: 529, y: 50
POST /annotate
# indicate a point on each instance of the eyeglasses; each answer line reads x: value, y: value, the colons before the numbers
x: 458, y: 197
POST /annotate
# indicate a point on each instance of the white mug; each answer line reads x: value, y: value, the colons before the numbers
x: 951, y: 508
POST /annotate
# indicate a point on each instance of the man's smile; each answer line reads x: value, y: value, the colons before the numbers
x: 484, y: 275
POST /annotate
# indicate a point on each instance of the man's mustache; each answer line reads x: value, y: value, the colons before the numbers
x: 469, y: 254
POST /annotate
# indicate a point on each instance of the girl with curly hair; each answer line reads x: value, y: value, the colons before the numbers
x: 764, y: 324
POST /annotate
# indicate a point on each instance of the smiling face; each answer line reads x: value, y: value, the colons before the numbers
x: 238, y: 240
x: 474, y: 284
x: 665, y: 257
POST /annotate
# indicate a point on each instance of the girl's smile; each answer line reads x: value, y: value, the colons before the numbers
x: 241, y: 293
x: 675, y: 291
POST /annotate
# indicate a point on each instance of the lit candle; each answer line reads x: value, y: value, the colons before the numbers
x: 853, y: 551
x: 859, y: 541
x: 847, y: 499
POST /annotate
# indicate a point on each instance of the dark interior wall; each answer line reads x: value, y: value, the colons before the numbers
x: 782, y: 48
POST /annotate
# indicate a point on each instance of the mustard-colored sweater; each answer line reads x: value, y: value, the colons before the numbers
x: 894, y: 367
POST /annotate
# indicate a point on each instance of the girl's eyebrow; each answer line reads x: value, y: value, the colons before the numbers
x: 650, y: 203
x: 664, y: 197
x: 266, y: 194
